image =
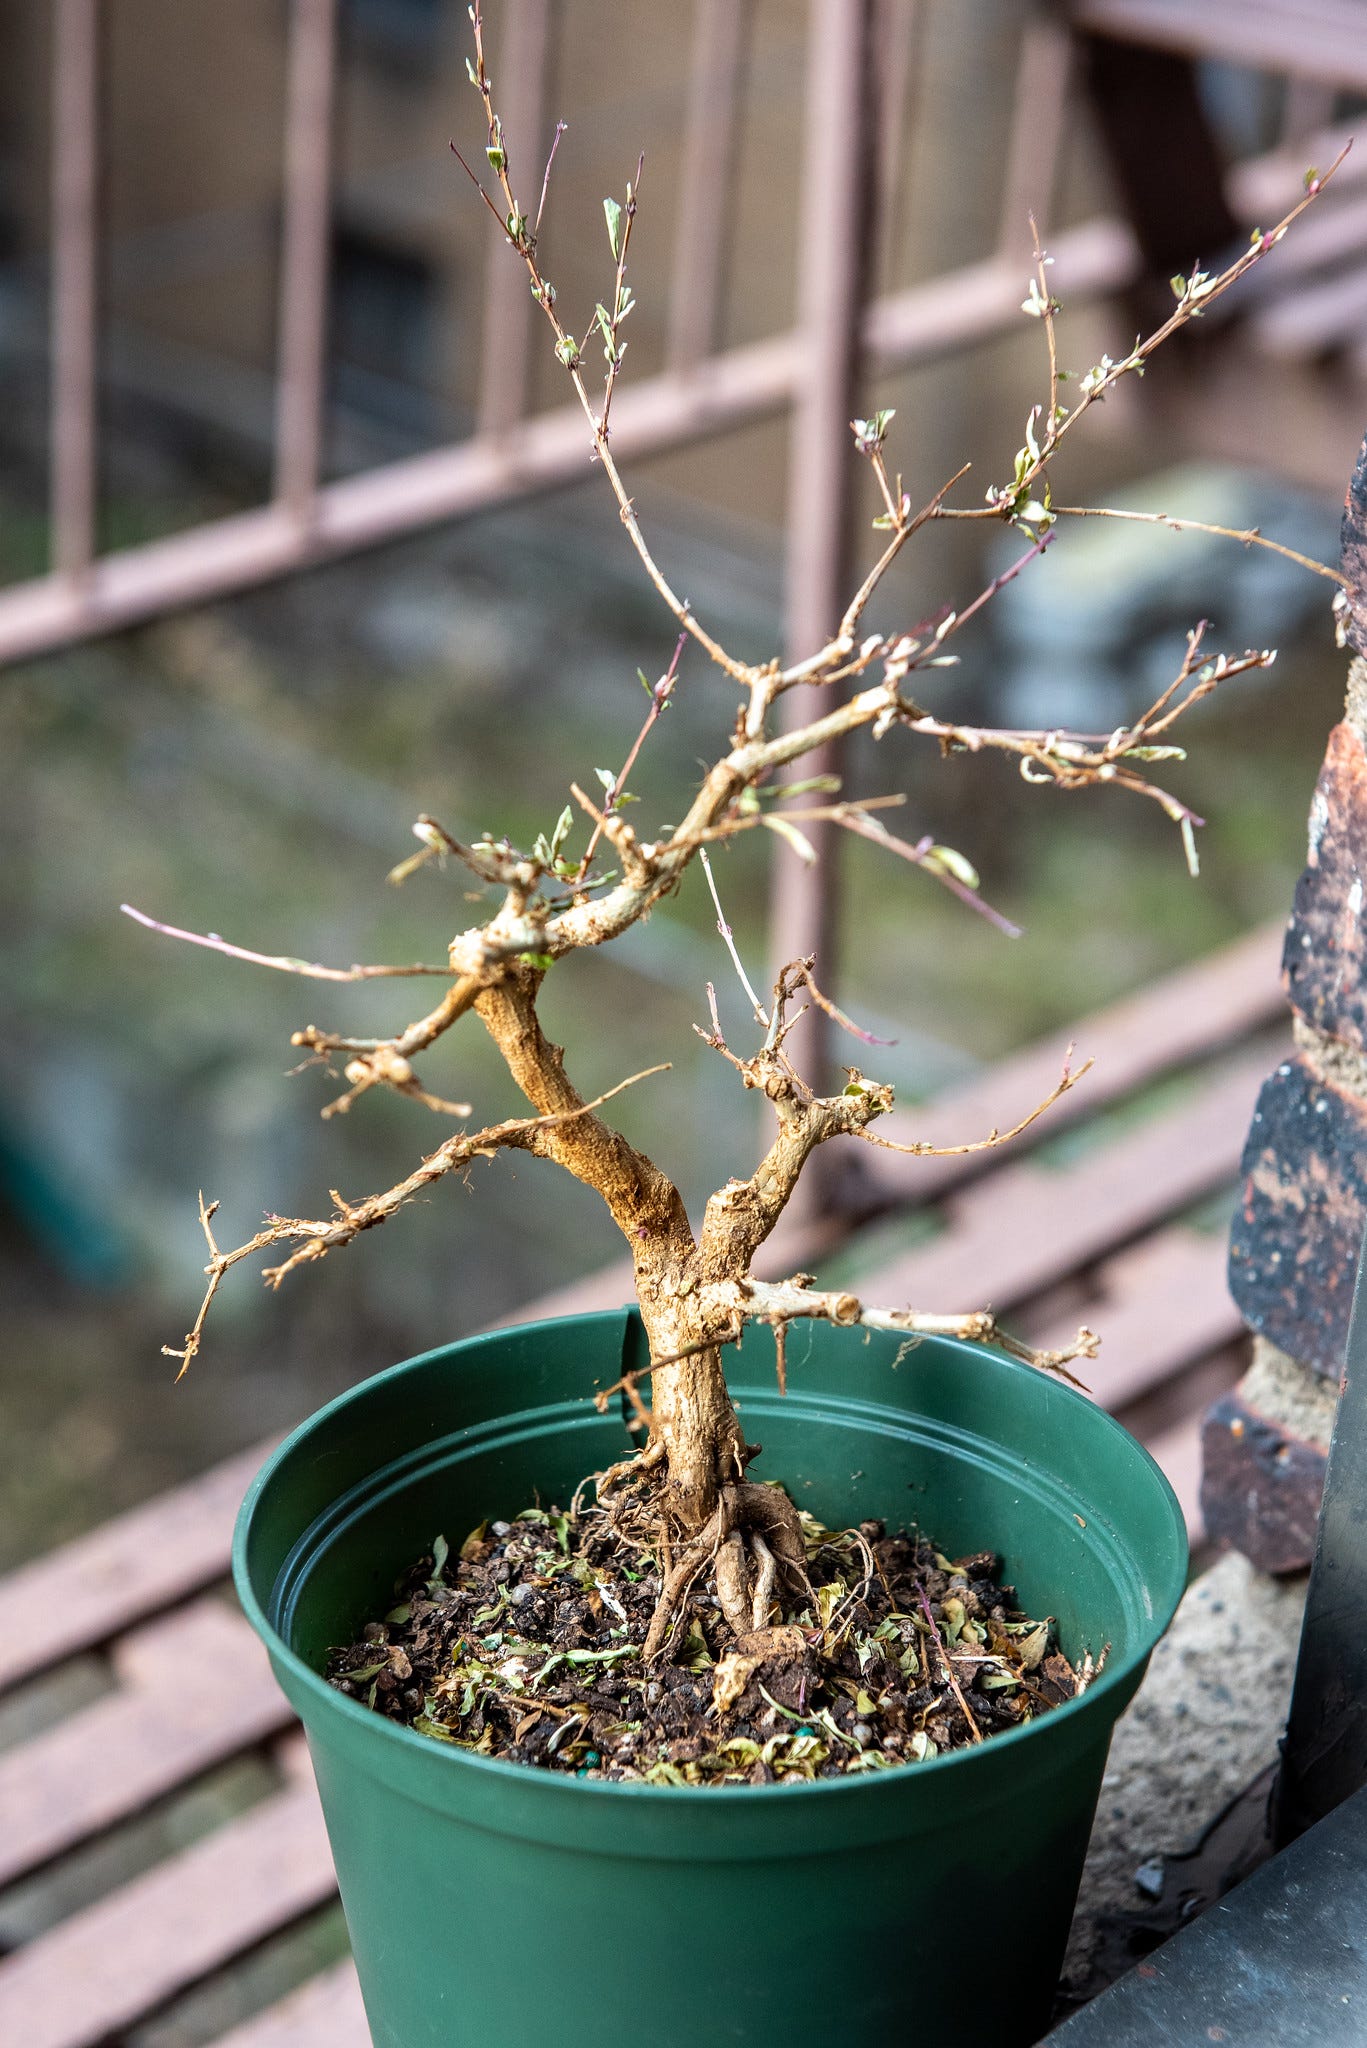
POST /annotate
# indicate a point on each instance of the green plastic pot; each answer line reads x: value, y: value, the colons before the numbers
x: 493, y: 1904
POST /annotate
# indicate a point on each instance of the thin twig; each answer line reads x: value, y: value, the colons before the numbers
x: 351, y: 1219
x: 901, y: 535
x: 924, y: 855
x: 923, y: 1149
x: 283, y: 962
x: 837, y: 1015
x: 659, y: 697
x: 724, y: 928
x: 1248, y: 537
x: 947, y: 1667
x: 560, y: 128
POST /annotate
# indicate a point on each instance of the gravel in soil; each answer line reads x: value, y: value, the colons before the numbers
x: 526, y: 1645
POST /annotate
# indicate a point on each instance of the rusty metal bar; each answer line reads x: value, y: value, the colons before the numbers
x: 75, y: 188
x: 837, y: 246
x: 899, y: 28
x: 742, y: 385
x: 1309, y: 106
x: 1032, y: 150
x: 1327, y: 41
x: 523, y: 68
x: 721, y: 35
x: 305, y: 254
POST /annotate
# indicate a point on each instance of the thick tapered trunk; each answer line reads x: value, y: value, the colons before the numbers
x: 691, y: 1407
x: 693, y: 1416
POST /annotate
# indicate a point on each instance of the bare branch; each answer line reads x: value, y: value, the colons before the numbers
x: 837, y: 1015
x: 283, y: 962
x: 903, y: 530
x: 1195, y: 295
x: 926, y: 854
x: 1247, y: 536
x: 923, y: 1149
x: 741, y: 1215
x: 791, y: 1299
x: 659, y: 697
x: 560, y: 128
x: 351, y: 1219
x: 569, y: 353
x: 729, y: 936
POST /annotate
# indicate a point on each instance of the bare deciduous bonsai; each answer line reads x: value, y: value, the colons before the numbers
x: 696, y: 1289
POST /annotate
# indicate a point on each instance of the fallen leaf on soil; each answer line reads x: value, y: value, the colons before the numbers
x: 730, y: 1678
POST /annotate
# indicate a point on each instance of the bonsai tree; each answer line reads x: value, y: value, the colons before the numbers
x: 597, y: 874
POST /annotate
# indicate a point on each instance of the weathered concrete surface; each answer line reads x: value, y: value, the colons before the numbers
x: 1205, y: 1723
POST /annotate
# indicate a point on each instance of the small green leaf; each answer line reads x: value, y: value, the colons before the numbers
x: 607, y: 778
x: 1179, y: 285
x: 612, y: 213
x: 799, y: 842
x: 541, y: 960
x: 498, y: 158
x: 955, y: 864
x: 368, y: 1671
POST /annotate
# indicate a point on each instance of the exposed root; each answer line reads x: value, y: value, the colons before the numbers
x: 768, y: 1510
x: 676, y: 1585
x: 634, y: 1467
x: 765, y: 1582
x: 753, y: 1539
x: 733, y: 1583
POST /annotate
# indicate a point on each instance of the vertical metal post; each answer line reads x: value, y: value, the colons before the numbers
x: 75, y: 186
x: 1043, y: 72
x: 898, y: 31
x: 521, y: 67
x: 721, y: 33
x: 1324, y: 1755
x: 836, y: 246
x: 305, y: 254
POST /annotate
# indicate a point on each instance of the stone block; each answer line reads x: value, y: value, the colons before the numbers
x: 1261, y: 1485
x: 1298, y: 1223
x: 1353, y: 555
x: 1324, y: 963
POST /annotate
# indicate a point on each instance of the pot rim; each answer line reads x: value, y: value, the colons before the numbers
x: 1117, y: 1674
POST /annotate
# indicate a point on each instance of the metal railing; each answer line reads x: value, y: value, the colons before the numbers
x: 702, y: 391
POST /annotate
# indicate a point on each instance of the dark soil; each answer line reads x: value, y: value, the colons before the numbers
x: 526, y: 1645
